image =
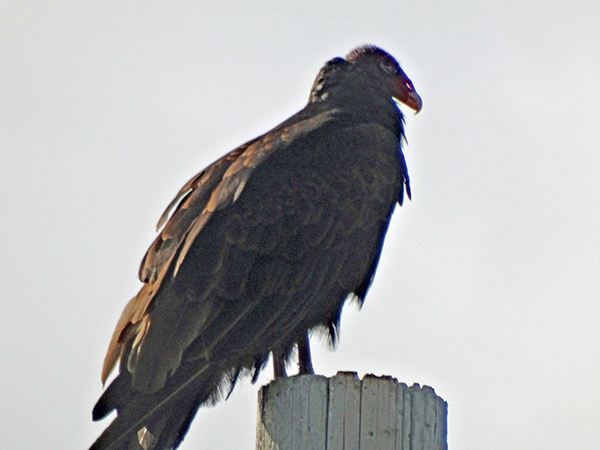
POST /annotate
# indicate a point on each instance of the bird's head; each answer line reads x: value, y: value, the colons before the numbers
x: 386, y: 70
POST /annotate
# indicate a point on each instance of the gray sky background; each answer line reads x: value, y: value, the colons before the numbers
x: 489, y: 285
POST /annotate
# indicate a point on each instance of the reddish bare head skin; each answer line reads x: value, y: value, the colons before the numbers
x: 384, y: 66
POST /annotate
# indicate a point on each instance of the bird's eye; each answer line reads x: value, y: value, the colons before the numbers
x: 387, y: 67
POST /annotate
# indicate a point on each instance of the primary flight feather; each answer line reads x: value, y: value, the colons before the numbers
x: 258, y: 249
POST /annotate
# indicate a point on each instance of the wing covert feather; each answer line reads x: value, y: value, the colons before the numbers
x: 273, y: 235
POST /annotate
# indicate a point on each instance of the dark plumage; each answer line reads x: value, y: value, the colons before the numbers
x: 263, y: 246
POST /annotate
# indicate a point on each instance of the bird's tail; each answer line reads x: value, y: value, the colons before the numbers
x: 153, y: 421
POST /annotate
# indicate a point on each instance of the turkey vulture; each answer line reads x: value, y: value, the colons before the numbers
x: 263, y: 246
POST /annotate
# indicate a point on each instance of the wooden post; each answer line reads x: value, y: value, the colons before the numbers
x: 312, y: 412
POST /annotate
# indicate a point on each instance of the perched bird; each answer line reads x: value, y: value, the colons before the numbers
x: 261, y: 247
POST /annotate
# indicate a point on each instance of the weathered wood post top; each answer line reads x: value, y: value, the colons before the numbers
x: 312, y: 412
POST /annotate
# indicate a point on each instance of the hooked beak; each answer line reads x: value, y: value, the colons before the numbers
x: 404, y: 92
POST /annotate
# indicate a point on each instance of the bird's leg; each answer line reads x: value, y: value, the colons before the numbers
x: 304, y: 360
x: 279, y: 366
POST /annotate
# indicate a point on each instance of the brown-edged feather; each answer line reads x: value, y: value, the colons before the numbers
x: 227, y: 178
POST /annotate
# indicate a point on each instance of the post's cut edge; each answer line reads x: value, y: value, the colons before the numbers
x: 313, y: 412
